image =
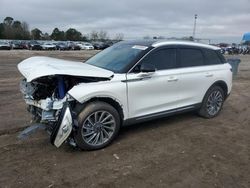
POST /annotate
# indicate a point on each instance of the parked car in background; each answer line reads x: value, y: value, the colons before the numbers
x: 25, y: 45
x: 73, y: 46
x: 234, y: 49
x: 109, y: 43
x: 85, y: 46
x: 62, y: 46
x: 88, y: 46
x: 16, y: 45
x: 5, y: 46
x: 80, y: 44
x: 99, y: 45
x: 130, y: 82
x: 34, y: 45
x: 48, y: 46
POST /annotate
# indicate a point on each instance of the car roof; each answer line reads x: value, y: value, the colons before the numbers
x: 158, y: 43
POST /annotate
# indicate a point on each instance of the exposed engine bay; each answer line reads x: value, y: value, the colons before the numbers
x: 53, y: 86
x: 50, y: 105
x: 47, y: 91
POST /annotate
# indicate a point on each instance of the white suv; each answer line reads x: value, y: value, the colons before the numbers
x: 134, y: 81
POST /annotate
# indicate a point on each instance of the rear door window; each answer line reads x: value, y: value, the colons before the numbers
x: 189, y: 57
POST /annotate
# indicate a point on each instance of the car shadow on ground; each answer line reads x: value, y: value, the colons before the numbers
x: 155, y: 124
x: 125, y: 133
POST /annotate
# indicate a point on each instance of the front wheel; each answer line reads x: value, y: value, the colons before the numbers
x: 212, y: 102
x: 98, y: 125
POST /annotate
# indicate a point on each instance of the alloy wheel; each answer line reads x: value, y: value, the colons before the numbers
x: 214, y: 102
x: 98, y: 128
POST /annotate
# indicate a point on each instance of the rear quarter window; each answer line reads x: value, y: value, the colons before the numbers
x: 211, y: 57
x: 222, y: 58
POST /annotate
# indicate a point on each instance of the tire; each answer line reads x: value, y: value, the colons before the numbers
x: 90, y: 126
x: 212, y: 109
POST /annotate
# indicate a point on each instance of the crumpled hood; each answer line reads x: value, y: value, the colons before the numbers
x: 36, y: 67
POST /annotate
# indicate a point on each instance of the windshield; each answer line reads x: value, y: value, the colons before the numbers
x: 117, y: 57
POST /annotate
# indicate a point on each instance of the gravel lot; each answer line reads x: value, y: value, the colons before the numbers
x: 179, y: 151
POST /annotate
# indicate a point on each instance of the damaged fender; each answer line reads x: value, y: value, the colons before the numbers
x: 114, y: 89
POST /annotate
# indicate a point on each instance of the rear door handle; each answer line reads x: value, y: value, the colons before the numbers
x: 173, y: 79
x: 208, y: 74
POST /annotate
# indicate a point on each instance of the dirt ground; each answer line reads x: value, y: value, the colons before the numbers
x: 180, y: 151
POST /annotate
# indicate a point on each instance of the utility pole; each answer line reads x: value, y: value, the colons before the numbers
x: 195, y: 18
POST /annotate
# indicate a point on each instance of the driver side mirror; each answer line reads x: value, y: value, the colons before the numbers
x: 146, y: 67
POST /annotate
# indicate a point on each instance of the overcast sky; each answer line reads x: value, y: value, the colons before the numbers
x: 217, y: 19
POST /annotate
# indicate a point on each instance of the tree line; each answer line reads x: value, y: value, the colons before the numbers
x: 17, y: 30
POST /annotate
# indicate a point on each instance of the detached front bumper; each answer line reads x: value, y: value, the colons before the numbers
x: 63, y: 127
x: 56, y: 118
x: 52, y: 113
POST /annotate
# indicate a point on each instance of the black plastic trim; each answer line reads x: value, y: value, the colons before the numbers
x: 157, y: 115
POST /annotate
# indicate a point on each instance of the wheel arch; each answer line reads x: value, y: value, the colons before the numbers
x: 224, y: 87
x: 109, y: 100
x: 221, y: 84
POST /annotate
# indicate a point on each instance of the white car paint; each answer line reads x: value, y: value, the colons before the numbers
x: 170, y: 89
x: 115, y: 89
x: 39, y: 66
x: 162, y: 90
x: 85, y: 46
x: 139, y: 94
x: 46, y: 46
x: 4, y: 44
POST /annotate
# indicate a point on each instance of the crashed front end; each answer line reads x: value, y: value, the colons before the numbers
x: 45, y: 87
x: 50, y: 106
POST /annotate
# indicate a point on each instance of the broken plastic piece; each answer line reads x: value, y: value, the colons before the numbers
x: 31, y: 130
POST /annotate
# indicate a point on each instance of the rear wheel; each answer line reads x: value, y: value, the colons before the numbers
x: 99, y: 124
x: 212, y: 102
